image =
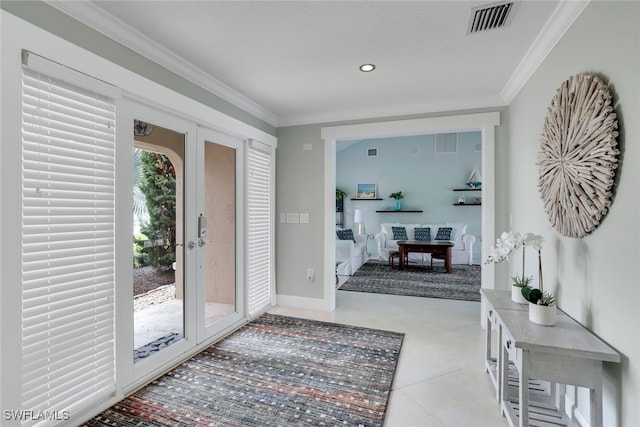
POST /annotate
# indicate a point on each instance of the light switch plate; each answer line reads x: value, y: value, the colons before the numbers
x: 304, y: 218
x: 293, y: 218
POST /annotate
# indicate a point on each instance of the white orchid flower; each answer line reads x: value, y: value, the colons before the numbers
x: 505, y: 245
x: 534, y: 240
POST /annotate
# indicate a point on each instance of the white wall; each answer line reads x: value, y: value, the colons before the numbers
x: 410, y: 164
x: 596, y: 277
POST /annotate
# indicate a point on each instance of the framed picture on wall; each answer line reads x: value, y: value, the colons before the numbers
x: 366, y: 191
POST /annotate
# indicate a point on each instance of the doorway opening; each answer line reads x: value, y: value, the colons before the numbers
x: 484, y: 122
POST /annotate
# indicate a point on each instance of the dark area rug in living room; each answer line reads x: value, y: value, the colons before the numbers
x: 274, y: 371
x: 417, y: 280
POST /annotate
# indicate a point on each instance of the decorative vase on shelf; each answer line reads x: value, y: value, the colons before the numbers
x: 516, y: 295
x: 542, y: 314
x: 397, y: 205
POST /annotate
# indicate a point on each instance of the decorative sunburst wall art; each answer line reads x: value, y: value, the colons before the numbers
x: 578, y: 155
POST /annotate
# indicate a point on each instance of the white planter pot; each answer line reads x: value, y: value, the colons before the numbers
x: 542, y: 314
x: 516, y: 295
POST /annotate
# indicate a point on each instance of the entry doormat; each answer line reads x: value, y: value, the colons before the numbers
x: 275, y: 371
x: 418, y: 281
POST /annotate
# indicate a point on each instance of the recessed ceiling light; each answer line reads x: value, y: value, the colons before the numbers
x: 366, y: 68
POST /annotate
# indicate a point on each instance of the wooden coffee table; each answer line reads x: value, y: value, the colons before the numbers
x: 433, y: 247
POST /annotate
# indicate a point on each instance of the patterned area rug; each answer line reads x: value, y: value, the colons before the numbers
x: 418, y: 281
x: 275, y: 371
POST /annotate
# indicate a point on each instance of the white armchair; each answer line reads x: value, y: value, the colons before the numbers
x: 350, y: 255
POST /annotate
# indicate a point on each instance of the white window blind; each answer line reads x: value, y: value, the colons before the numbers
x: 68, y: 227
x: 259, y: 228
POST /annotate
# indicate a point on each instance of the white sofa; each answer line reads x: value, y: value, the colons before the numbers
x: 350, y: 255
x: 461, y: 253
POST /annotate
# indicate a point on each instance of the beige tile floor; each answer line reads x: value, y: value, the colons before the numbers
x: 440, y: 380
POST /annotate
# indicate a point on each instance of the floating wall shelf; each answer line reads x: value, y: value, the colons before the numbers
x: 402, y: 211
x: 365, y: 200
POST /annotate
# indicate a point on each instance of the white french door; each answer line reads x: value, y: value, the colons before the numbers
x: 163, y: 329
x: 218, y: 237
x: 212, y: 230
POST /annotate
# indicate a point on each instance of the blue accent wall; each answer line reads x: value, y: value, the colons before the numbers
x: 426, y: 178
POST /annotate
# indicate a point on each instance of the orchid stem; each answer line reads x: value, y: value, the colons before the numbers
x: 523, y: 248
x: 540, y: 270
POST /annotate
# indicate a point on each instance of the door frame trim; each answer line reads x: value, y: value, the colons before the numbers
x: 484, y: 122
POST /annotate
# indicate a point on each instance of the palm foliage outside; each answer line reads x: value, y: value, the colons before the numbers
x: 154, y: 209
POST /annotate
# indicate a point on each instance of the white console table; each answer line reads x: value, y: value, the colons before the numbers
x: 566, y: 353
x: 497, y: 300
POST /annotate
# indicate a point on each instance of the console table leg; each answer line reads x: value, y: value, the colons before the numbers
x: 596, y: 398
x: 500, y: 371
x: 523, y: 384
x: 503, y: 367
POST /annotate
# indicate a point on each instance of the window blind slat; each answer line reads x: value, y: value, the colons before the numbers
x: 95, y: 230
x: 71, y: 252
x: 77, y: 173
x: 35, y: 249
x: 68, y: 242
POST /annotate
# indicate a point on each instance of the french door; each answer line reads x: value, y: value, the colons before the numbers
x: 191, y: 232
x: 218, y: 232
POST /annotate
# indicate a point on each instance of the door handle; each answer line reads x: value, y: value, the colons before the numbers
x: 191, y: 244
x: 201, y: 242
x: 202, y: 226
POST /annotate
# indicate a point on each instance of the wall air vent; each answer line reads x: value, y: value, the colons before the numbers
x: 446, y: 143
x: 490, y: 17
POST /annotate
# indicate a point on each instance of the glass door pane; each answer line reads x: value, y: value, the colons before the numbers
x: 220, y: 251
x: 218, y: 231
x: 158, y: 237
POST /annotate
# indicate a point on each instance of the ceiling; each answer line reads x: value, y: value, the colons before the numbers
x: 295, y: 62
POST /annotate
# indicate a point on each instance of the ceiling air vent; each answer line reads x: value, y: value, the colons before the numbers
x: 490, y: 17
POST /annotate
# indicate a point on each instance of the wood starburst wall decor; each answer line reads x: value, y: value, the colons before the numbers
x: 578, y: 155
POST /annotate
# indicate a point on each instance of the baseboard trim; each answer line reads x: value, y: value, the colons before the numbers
x: 303, y: 302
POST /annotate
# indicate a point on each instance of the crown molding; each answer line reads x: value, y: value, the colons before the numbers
x: 105, y: 23
x: 492, y: 101
x: 110, y: 26
x: 560, y: 21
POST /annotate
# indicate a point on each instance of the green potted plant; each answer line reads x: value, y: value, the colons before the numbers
x: 340, y: 194
x: 542, y: 306
x: 518, y: 284
x: 397, y: 196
